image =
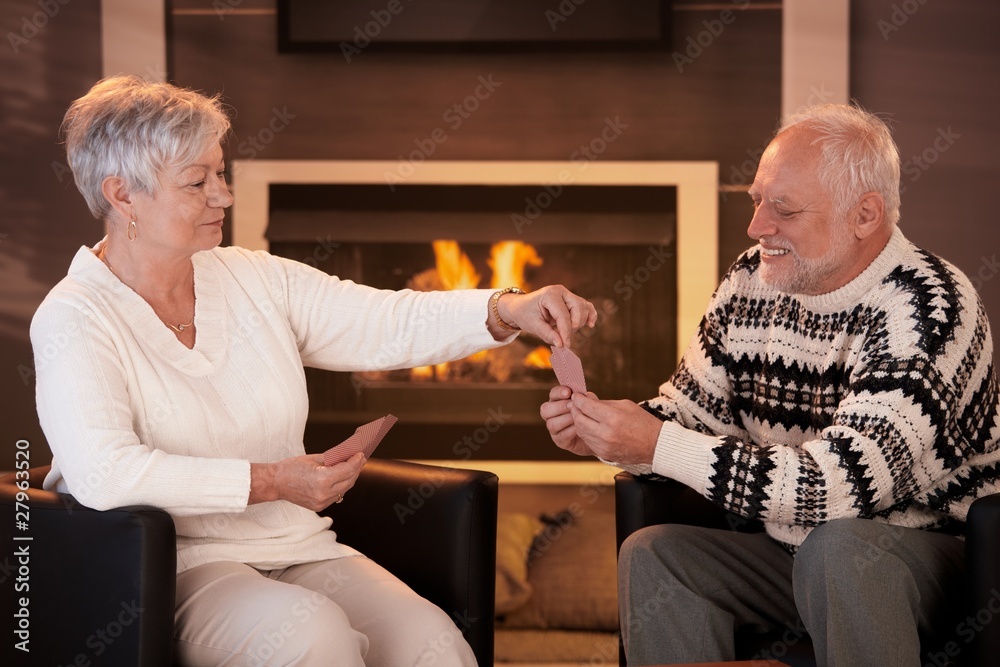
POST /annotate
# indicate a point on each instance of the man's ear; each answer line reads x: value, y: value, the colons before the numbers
x: 869, y: 215
x: 118, y: 195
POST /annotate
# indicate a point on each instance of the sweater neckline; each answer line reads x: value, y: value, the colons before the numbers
x: 851, y: 294
x: 209, y: 349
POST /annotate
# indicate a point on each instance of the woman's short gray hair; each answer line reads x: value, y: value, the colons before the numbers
x: 858, y: 154
x: 136, y: 130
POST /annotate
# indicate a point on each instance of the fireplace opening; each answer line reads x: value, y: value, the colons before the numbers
x: 611, y: 244
x: 454, y: 270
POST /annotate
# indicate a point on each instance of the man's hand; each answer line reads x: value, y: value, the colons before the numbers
x: 552, y: 313
x: 618, y: 431
x: 559, y: 421
x: 304, y: 480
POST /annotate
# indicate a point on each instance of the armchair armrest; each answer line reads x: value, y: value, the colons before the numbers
x: 982, y: 563
x: 117, y: 567
x: 434, y: 528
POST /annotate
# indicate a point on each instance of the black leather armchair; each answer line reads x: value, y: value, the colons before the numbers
x: 641, y: 502
x: 99, y: 586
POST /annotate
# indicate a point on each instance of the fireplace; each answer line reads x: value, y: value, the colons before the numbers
x: 615, y: 233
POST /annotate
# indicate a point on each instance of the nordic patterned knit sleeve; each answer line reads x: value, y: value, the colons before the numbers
x: 893, y: 428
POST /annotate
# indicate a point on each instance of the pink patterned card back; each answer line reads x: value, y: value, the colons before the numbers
x: 365, y: 439
x: 568, y: 369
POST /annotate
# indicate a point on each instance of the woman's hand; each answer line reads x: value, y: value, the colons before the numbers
x: 552, y: 313
x: 304, y: 480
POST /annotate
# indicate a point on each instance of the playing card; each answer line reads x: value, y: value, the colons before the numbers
x: 569, y: 369
x: 365, y: 439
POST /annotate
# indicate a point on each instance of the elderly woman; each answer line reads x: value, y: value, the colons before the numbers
x: 154, y: 399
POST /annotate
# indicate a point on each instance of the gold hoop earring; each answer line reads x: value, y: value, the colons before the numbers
x: 132, y: 231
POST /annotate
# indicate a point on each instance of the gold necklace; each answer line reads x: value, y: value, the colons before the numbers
x: 179, y: 328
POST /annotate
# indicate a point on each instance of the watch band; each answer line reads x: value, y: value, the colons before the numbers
x: 495, y: 299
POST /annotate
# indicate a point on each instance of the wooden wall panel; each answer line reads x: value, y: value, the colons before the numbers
x: 934, y: 68
x: 721, y: 104
x: 46, y: 61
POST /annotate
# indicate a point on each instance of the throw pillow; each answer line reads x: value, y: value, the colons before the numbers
x: 515, y: 535
x: 573, y: 573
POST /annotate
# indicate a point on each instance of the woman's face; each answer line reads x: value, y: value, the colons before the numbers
x: 185, y: 216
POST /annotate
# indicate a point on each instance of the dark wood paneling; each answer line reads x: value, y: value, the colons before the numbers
x: 45, y: 62
x: 934, y: 68
x: 722, y: 105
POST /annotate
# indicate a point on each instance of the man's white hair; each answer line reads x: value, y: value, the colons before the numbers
x: 858, y: 155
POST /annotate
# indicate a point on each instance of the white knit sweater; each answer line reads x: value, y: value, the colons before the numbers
x: 134, y: 417
x: 878, y: 400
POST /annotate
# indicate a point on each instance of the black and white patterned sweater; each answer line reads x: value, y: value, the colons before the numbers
x: 878, y: 400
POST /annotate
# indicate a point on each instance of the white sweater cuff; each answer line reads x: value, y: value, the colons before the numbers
x: 683, y: 454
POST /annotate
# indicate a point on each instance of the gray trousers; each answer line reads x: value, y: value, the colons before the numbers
x: 865, y: 592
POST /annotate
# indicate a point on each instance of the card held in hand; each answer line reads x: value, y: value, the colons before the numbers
x: 365, y: 440
x: 569, y: 369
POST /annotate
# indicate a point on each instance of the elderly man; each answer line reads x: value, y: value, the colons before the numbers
x: 841, y: 390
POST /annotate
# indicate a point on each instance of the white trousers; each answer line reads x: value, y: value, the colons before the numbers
x: 348, y: 612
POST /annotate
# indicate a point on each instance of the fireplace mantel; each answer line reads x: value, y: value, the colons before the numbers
x: 696, y: 229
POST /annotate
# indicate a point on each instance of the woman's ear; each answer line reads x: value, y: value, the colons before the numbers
x: 118, y: 195
x: 869, y: 214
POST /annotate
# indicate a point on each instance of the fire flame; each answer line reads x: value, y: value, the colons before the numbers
x: 454, y: 270
x: 540, y: 357
x: 420, y: 373
x: 508, y: 259
x: 454, y: 267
